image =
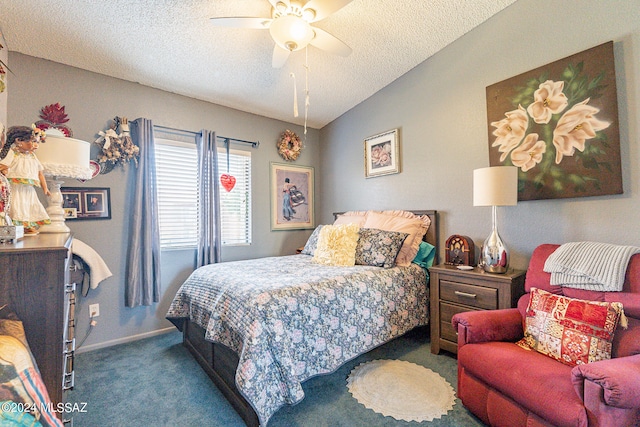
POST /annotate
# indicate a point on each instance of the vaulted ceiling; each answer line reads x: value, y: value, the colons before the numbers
x: 172, y: 45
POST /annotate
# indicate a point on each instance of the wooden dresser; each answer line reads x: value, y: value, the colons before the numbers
x: 454, y: 291
x: 34, y: 283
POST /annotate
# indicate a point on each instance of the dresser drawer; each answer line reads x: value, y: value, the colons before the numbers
x: 471, y: 295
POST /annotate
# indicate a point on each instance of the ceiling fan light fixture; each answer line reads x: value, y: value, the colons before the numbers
x: 291, y: 32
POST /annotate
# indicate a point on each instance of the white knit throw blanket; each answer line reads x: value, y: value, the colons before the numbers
x: 590, y: 265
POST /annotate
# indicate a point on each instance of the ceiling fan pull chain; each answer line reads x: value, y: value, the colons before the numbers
x: 295, y: 96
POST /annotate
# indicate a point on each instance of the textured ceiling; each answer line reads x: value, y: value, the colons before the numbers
x: 171, y: 45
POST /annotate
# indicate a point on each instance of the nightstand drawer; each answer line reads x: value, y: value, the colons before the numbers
x: 454, y: 291
x: 446, y: 328
x: 471, y: 295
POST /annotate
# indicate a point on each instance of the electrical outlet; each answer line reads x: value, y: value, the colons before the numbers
x: 94, y: 310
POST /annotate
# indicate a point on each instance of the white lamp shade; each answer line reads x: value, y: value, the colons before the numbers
x: 495, y: 186
x: 65, y: 157
x: 291, y: 33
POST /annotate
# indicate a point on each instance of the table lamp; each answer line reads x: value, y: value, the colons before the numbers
x: 495, y: 186
x: 61, y: 157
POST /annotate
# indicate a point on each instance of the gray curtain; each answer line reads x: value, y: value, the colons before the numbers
x: 143, y: 259
x: 209, y: 234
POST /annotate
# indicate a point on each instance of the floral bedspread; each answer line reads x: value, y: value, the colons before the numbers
x: 290, y: 319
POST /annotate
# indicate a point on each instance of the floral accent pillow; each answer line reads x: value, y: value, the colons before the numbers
x: 403, y: 222
x: 572, y: 331
x: 337, y: 245
x: 379, y: 248
x: 312, y: 243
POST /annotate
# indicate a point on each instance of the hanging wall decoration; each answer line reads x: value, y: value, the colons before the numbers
x: 116, y: 148
x: 292, y: 203
x: 382, y: 154
x: 227, y: 180
x: 53, y: 117
x: 559, y: 125
x: 289, y: 146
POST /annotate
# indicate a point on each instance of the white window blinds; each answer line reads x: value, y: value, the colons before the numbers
x: 177, y: 177
x: 235, y: 206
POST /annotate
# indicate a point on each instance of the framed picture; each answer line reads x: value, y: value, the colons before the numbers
x: 558, y: 124
x: 291, y: 190
x: 86, y: 203
x: 382, y: 154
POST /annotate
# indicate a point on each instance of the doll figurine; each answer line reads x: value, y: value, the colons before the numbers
x: 19, y: 163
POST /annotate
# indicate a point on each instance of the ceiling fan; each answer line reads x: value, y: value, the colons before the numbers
x: 291, y: 29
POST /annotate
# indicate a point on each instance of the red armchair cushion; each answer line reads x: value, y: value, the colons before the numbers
x: 572, y: 331
x: 626, y: 342
x: 536, y: 382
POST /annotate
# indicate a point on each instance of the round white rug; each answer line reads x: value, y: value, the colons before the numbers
x: 402, y: 390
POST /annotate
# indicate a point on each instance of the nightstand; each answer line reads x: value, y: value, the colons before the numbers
x: 454, y: 291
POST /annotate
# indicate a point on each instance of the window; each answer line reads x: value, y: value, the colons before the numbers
x: 235, y: 205
x: 177, y: 177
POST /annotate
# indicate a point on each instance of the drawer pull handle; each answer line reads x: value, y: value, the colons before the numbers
x: 465, y: 294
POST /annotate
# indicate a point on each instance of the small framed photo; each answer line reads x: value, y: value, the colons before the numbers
x: 70, y: 213
x: 86, y: 203
x: 382, y: 154
x: 292, y: 204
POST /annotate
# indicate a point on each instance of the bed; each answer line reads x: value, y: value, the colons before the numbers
x: 261, y: 327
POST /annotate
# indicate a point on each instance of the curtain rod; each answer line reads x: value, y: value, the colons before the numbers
x: 227, y: 140
x: 176, y: 131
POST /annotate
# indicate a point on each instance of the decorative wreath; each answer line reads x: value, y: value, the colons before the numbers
x: 289, y: 146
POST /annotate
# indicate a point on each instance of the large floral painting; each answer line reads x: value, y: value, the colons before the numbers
x: 559, y: 125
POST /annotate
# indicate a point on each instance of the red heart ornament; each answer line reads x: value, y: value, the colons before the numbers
x: 227, y: 181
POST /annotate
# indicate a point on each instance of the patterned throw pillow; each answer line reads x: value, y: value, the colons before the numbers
x: 403, y: 222
x: 570, y: 330
x: 379, y: 248
x: 312, y: 243
x: 337, y: 245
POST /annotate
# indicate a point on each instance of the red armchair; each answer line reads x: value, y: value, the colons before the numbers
x: 506, y: 385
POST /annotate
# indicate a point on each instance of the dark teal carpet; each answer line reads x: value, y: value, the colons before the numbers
x: 156, y: 382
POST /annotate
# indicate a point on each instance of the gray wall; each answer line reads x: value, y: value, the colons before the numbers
x: 440, y: 109
x: 91, y: 100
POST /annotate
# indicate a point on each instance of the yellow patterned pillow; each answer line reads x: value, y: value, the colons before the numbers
x: 337, y: 245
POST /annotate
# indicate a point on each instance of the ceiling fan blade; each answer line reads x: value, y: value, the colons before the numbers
x: 280, y: 56
x: 324, y: 8
x: 331, y: 44
x: 242, y: 22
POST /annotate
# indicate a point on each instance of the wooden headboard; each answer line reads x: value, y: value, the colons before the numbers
x: 432, y: 233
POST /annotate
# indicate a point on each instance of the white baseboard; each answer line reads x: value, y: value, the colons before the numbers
x: 125, y: 340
